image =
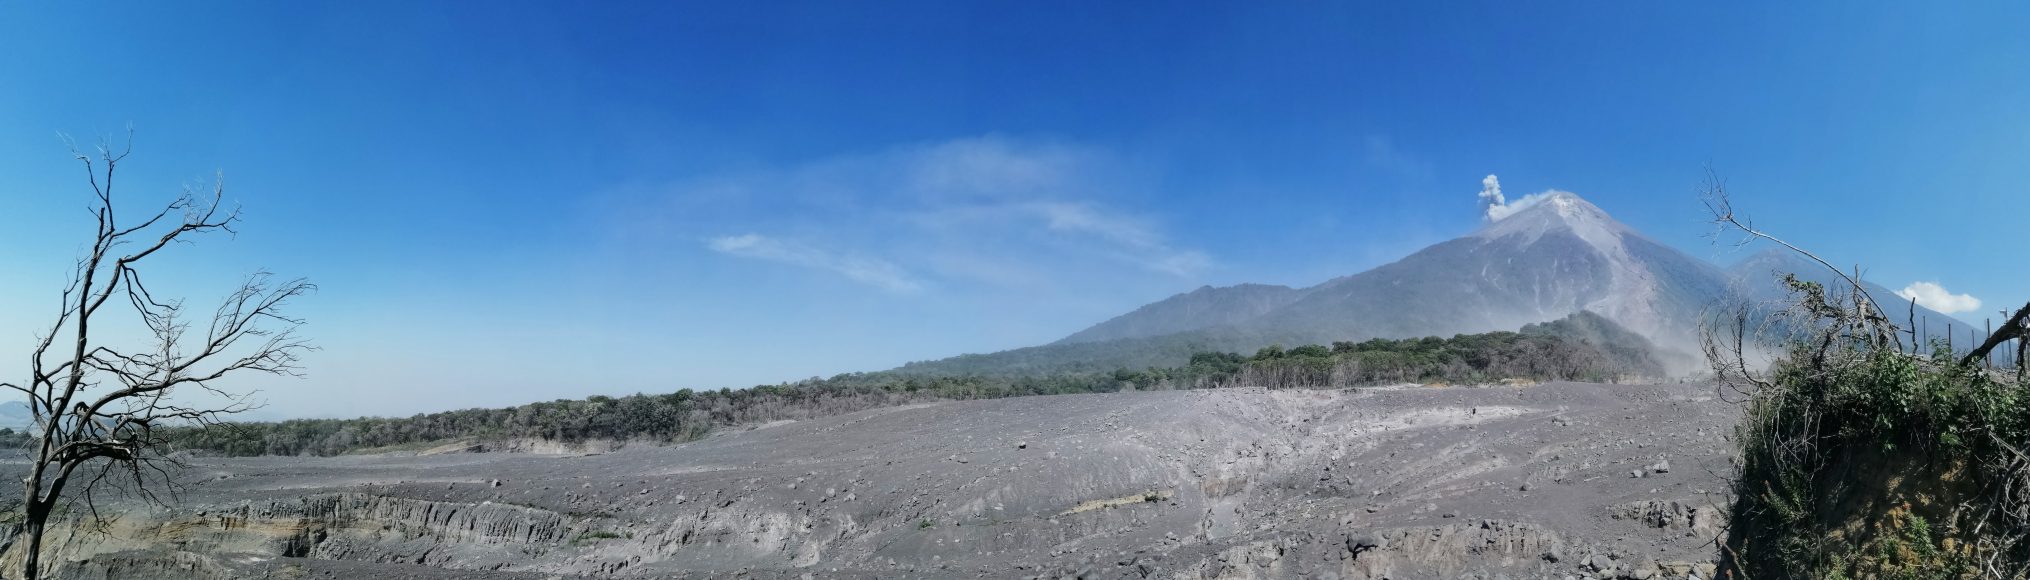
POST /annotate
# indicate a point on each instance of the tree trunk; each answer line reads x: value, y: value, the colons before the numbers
x: 31, y: 565
x: 2014, y: 328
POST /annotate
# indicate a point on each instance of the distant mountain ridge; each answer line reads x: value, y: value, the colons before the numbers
x: 1206, y: 307
x: 16, y: 415
x: 1560, y: 256
x: 1758, y: 279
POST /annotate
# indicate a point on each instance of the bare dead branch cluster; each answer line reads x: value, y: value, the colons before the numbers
x: 97, y: 405
x: 1868, y: 318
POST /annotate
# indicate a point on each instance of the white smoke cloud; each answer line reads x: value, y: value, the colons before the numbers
x: 1490, y: 198
x: 1936, y: 297
x: 1494, y: 207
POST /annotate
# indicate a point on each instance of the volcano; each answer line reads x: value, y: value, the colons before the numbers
x: 1558, y: 256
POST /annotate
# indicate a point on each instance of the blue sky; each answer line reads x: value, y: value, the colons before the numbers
x: 529, y: 201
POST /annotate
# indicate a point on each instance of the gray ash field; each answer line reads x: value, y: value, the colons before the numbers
x: 1549, y: 480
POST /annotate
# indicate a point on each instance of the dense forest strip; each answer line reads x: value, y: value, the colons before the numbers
x: 1581, y: 347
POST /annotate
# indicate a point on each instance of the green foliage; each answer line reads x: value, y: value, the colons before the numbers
x: 1092, y: 357
x: 1553, y: 351
x: 1858, y: 460
x: 11, y: 439
x: 675, y: 417
x: 1310, y: 350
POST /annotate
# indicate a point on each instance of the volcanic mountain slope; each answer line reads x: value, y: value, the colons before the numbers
x: 1206, y: 307
x: 1563, y: 479
x: 1557, y: 257
x: 1560, y: 256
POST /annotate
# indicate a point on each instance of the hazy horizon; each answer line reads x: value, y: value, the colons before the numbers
x: 536, y: 203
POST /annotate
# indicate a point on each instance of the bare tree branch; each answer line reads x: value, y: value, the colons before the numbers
x: 1721, y: 207
x: 99, y: 407
x: 2016, y: 328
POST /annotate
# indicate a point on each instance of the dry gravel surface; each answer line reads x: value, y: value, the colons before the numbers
x: 1546, y: 481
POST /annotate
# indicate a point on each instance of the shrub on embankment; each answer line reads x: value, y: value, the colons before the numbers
x: 1862, y: 458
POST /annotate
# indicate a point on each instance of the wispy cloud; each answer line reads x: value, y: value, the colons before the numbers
x: 984, y: 210
x: 1932, y: 295
x: 1140, y: 243
x: 992, y: 167
x: 875, y: 272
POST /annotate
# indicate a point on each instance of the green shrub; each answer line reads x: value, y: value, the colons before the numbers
x: 1861, y: 459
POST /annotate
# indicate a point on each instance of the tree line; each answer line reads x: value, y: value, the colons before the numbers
x: 1551, y: 351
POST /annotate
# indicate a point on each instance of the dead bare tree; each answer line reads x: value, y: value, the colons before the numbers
x: 99, y: 404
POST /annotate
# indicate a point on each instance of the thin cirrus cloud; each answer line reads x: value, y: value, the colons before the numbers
x: 875, y: 272
x: 987, y: 210
x: 1140, y: 243
x: 1932, y: 295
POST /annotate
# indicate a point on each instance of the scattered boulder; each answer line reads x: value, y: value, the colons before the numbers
x: 1361, y: 542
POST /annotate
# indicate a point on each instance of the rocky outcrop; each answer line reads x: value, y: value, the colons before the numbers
x: 146, y: 564
x: 332, y: 526
x: 355, y: 526
x: 445, y: 522
x: 1450, y: 549
x: 1679, y: 515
